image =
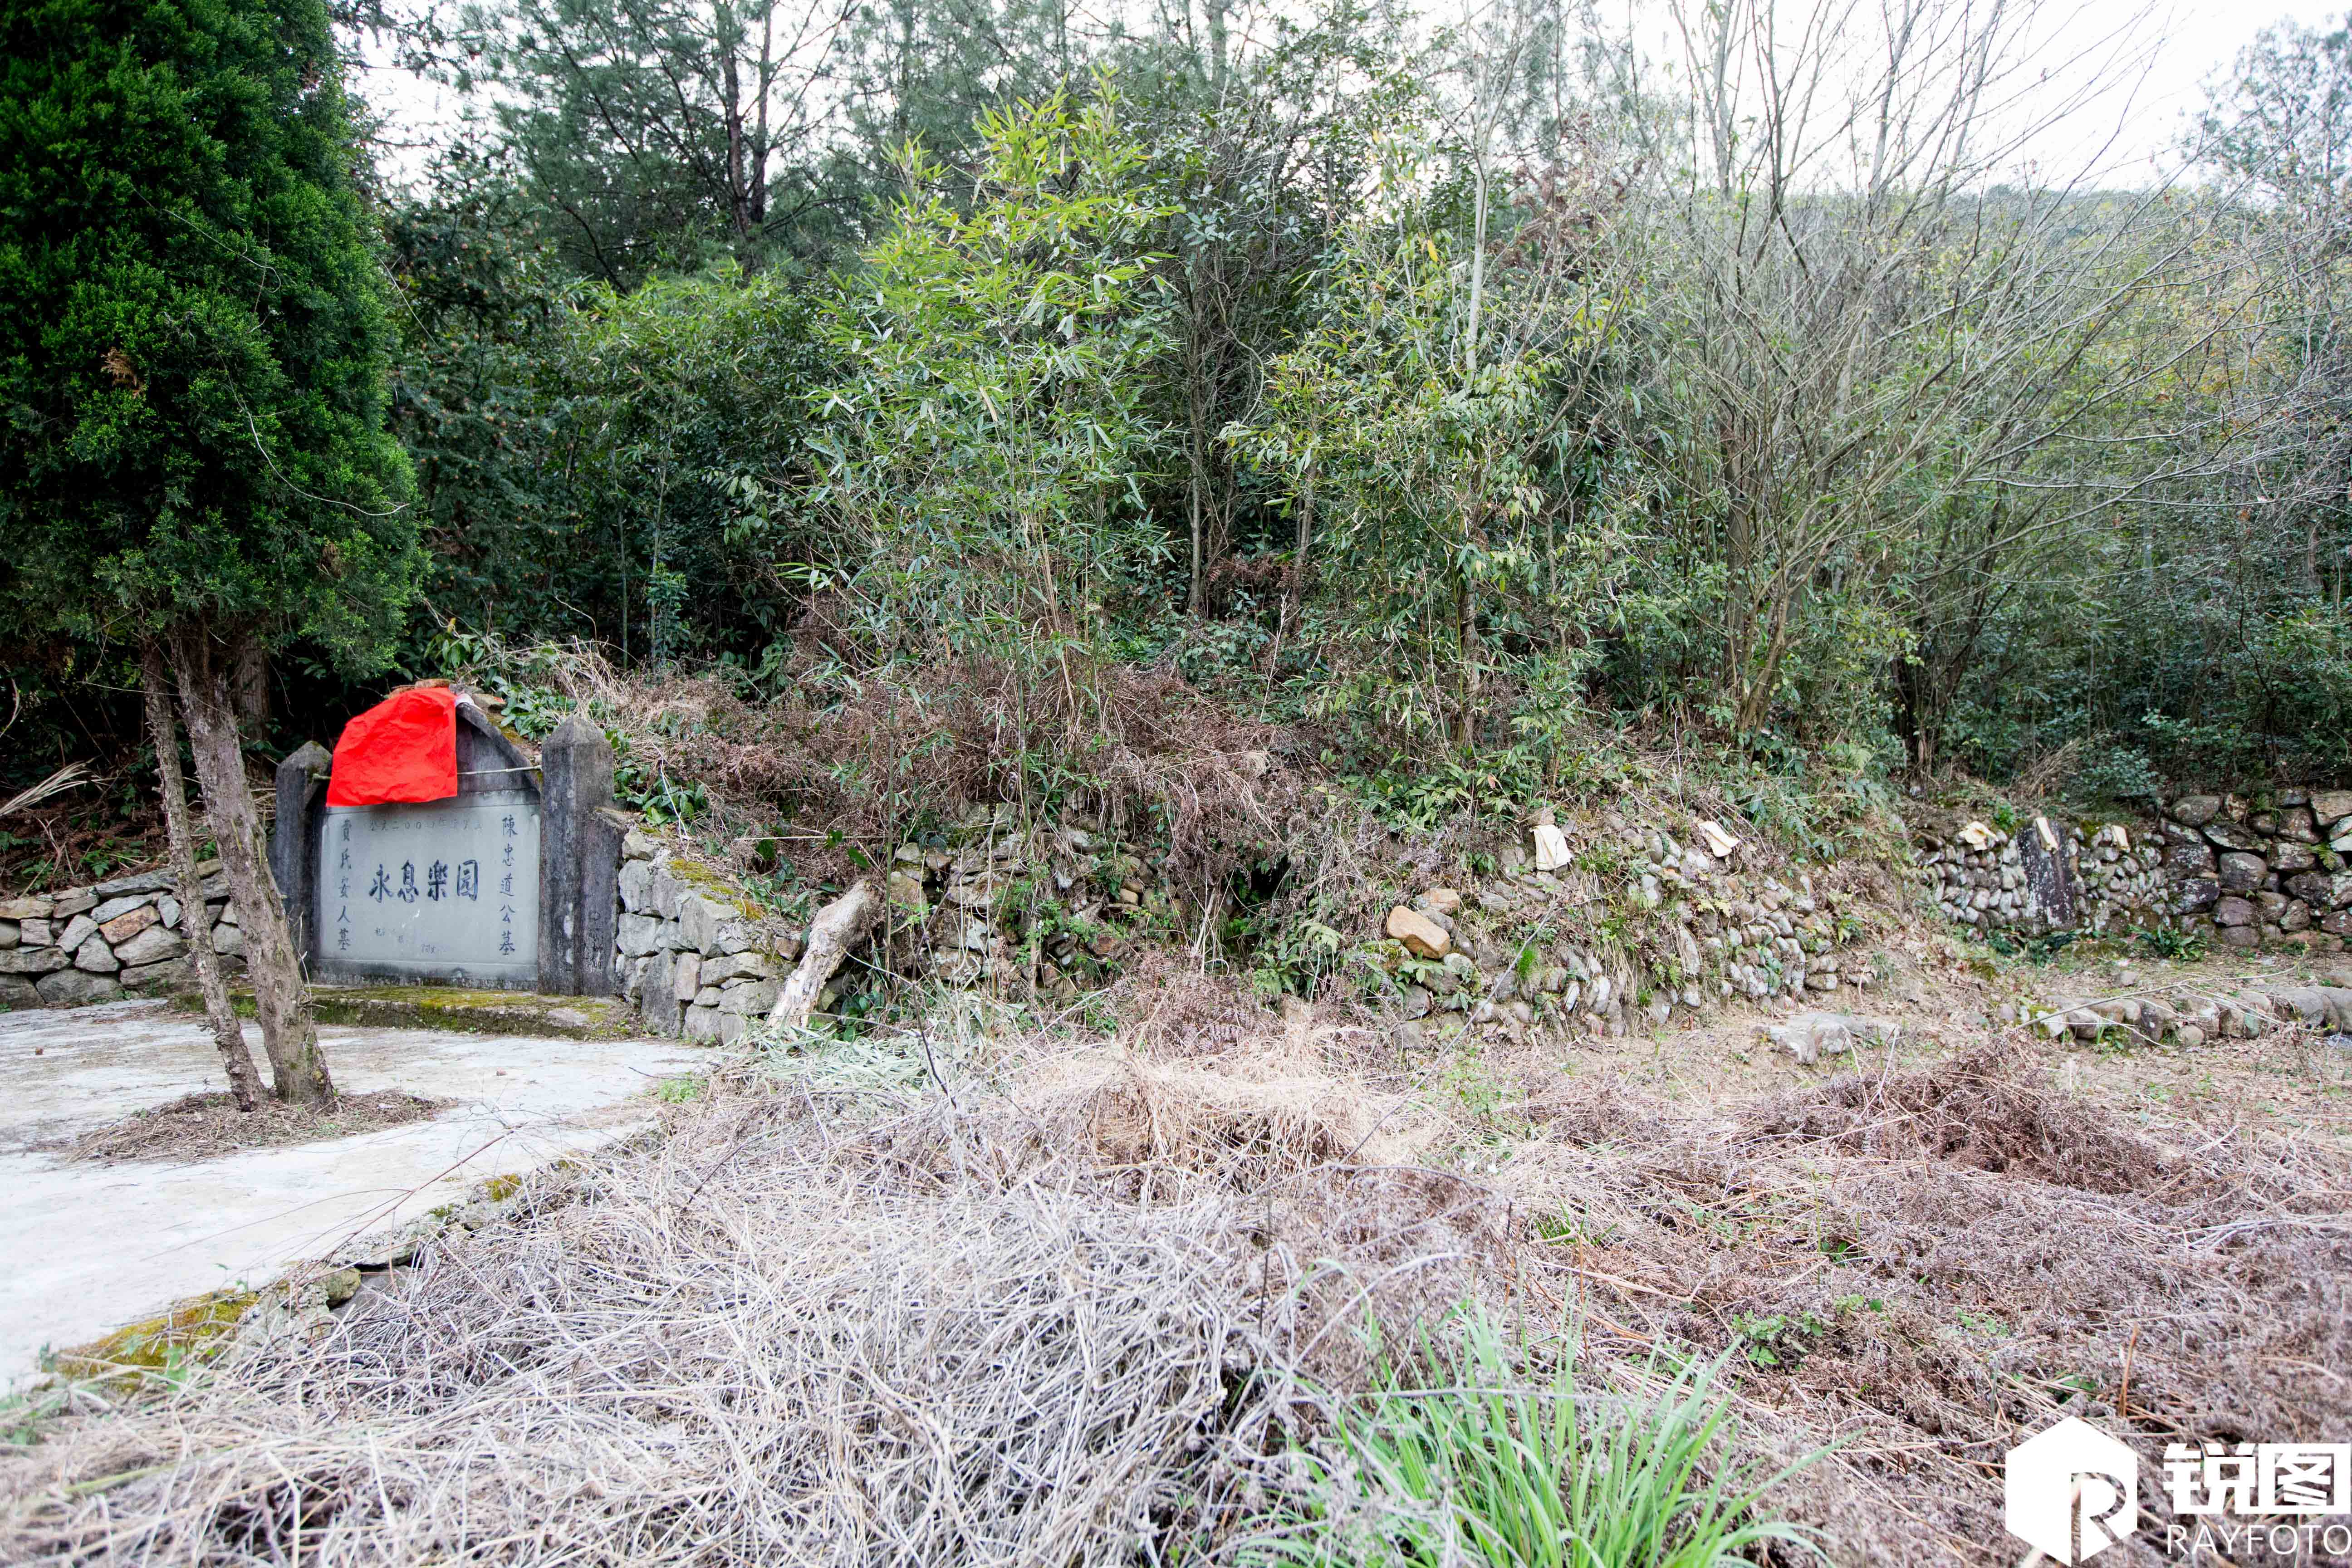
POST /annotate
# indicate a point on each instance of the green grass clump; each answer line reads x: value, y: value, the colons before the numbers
x: 1473, y: 1462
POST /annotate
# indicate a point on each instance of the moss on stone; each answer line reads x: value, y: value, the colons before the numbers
x: 191, y: 1331
x: 711, y: 885
x: 473, y: 1012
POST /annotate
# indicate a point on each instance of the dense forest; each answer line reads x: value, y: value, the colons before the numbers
x: 1440, y: 394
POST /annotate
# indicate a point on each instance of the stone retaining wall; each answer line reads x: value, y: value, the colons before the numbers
x: 2247, y: 872
x: 2043, y: 876
x: 94, y: 943
x: 694, y: 957
x: 2263, y: 870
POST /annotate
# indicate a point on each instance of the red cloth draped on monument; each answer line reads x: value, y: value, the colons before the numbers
x: 403, y: 749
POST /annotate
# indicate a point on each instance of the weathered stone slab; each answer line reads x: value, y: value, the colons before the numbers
x: 152, y: 945
x: 124, y: 924
x: 447, y: 890
x: 115, y: 909
x: 33, y: 961
x: 74, y: 988
x: 2196, y: 810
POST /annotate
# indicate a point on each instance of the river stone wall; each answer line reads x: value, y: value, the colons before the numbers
x: 2263, y: 870
x: 95, y: 943
x: 2045, y: 875
x: 2246, y: 872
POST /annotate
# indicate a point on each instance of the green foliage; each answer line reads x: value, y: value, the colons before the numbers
x: 193, y: 344
x: 1476, y: 1461
x: 988, y: 433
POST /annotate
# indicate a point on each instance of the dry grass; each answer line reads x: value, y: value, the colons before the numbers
x: 794, y: 1331
x: 1928, y: 1265
x: 1064, y: 1303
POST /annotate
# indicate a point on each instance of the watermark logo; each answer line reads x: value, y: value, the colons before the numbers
x: 2072, y: 1491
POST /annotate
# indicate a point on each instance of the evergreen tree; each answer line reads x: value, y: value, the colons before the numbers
x: 193, y: 353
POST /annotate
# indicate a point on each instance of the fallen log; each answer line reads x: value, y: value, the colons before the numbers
x: 839, y: 927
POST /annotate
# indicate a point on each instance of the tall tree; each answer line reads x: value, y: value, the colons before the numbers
x: 664, y: 132
x: 193, y: 355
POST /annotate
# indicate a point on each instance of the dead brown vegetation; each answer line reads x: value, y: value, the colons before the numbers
x: 1070, y: 1316
x: 855, y: 760
x: 209, y: 1125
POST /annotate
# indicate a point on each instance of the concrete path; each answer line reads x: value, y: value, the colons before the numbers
x: 85, y: 1249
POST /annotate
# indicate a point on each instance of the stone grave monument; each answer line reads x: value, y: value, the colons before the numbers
x: 512, y: 884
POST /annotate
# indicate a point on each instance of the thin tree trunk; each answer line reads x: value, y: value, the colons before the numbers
x: 280, y: 1001
x: 236, y: 1057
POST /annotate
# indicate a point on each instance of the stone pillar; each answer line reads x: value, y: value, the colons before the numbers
x: 580, y: 862
x: 294, y: 842
x: 2053, y: 888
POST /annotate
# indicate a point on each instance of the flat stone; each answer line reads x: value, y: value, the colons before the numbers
x: 2196, y: 810
x: 636, y: 845
x: 638, y: 886
x: 152, y: 945
x: 36, y: 933
x: 27, y: 909
x: 2321, y: 890
x: 701, y: 1023
x: 17, y: 991
x: 738, y: 966
x: 74, y: 988
x: 33, y: 961
x: 115, y: 909
x: 2296, y: 916
x: 740, y: 936
x: 2227, y: 834
x: 137, y: 882
x: 2241, y: 872
x: 77, y: 931
x: 2327, y: 804
x: 74, y: 903
x: 666, y: 891
x: 94, y: 957
x: 639, y: 935
x: 750, y: 998
x: 168, y: 908
x: 2241, y: 936
x: 125, y: 923
x: 1422, y: 936
x: 2233, y: 912
x: 9, y: 936
x: 2189, y: 859
x: 699, y: 922
x: 228, y: 941
x: 172, y: 975
x: 2288, y: 856
x: 685, y: 979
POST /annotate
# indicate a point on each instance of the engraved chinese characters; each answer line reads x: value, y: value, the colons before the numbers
x: 446, y: 890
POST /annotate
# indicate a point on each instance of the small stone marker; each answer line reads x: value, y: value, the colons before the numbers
x: 1422, y: 936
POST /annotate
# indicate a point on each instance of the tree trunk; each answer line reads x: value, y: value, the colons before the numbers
x: 281, y: 1002
x: 840, y: 926
x: 251, y: 690
x: 236, y: 1057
